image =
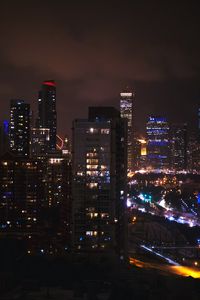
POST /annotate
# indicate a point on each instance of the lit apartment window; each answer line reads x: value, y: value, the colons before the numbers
x: 91, y: 167
x: 92, y: 161
x: 92, y: 185
x: 91, y: 233
x: 105, y: 131
x: 92, y: 130
x: 92, y: 173
x: 91, y: 154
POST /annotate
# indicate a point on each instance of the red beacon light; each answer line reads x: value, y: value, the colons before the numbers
x: 49, y: 83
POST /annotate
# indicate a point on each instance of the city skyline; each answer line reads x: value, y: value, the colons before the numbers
x: 99, y: 150
x: 93, y: 53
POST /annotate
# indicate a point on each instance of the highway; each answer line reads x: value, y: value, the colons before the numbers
x: 168, y: 269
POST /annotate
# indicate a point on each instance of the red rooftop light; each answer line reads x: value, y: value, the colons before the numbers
x: 49, y: 83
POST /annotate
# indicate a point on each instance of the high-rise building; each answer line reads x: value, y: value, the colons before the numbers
x: 158, y: 144
x: 19, y: 131
x: 21, y: 193
x: 99, y: 167
x: 140, y: 152
x: 36, y: 201
x: 47, y: 117
x: 178, y: 146
x: 58, y: 196
x: 126, y: 111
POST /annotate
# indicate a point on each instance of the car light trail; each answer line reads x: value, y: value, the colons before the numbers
x: 170, y: 261
x: 175, y: 270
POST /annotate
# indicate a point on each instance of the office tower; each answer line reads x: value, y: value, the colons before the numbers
x: 140, y: 153
x: 47, y: 117
x: 39, y: 145
x: 126, y: 111
x: 19, y: 133
x: 158, y: 146
x: 99, y: 168
x: 4, y: 137
x: 178, y: 141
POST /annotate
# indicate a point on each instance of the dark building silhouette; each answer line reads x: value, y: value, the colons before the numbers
x: 19, y: 131
x: 21, y: 193
x: 99, y: 166
x: 36, y: 201
x: 4, y: 137
x: 47, y: 116
x: 198, y: 128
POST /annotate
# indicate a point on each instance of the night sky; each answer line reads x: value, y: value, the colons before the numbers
x: 93, y: 49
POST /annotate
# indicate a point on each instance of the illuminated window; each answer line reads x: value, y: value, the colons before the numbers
x: 91, y: 167
x: 91, y: 154
x: 92, y: 173
x: 55, y: 160
x: 105, y: 131
x: 91, y: 233
x: 104, y: 215
x: 80, y: 173
x: 92, y: 130
x: 93, y: 215
x: 103, y: 167
x: 92, y: 185
x: 92, y: 161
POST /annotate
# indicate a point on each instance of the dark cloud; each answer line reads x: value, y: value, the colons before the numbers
x: 95, y: 48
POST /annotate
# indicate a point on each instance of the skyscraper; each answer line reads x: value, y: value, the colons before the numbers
x: 19, y: 132
x: 47, y: 117
x: 179, y: 146
x: 126, y: 111
x: 158, y: 146
x: 21, y: 192
x: 99, y: 167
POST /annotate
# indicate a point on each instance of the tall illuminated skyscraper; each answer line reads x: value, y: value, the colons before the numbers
x: 19, y: 133
x: 99, y: 167
x: 158, y: 144
x: 126, y: 111
x: 47, y: 116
